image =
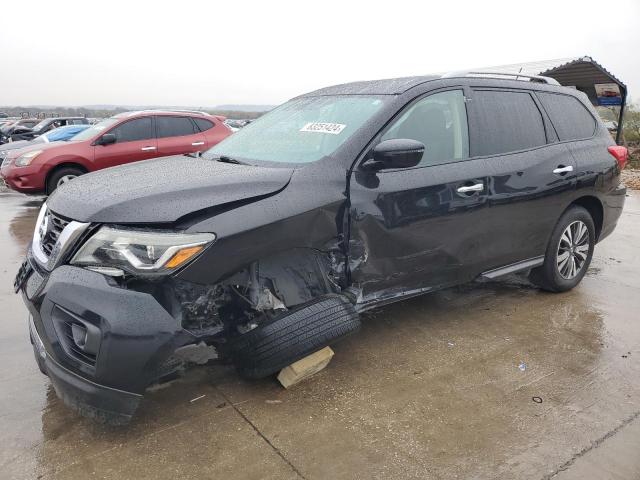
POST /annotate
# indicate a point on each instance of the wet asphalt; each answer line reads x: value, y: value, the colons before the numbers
x: 440, y: 386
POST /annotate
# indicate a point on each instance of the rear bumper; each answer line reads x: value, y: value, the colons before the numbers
x: 613, y: 204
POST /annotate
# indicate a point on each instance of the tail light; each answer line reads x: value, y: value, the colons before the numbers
x: 621, y: 154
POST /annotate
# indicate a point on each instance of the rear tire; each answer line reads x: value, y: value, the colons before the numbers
x: 569, y: 252
x: 294, y: 335
x: 61, y: 176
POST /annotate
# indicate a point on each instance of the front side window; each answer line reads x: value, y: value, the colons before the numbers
x: 300, y: 131
x: 439, y: 121
x: 507, y: 122
x: 174, y: 126
x: 133, y: 130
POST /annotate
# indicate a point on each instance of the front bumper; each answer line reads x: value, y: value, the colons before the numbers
x: 86, y: 397
x: 23, y: 179
x: 132, y: 336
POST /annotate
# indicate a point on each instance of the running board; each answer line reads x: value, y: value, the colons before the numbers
x: 513, y: 268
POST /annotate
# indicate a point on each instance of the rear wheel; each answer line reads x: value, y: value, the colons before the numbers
x: 569, y: 252
x: 62, y: 176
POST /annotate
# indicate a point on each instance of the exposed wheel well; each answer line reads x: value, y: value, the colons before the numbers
x: 594, y: 206
x: 60, y: 166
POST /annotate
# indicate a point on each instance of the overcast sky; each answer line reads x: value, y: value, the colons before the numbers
x: 206, y: 53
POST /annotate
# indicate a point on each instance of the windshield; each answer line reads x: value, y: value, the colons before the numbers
x: 40, y: 125
x: 96, y: 129
x: 300, y: 131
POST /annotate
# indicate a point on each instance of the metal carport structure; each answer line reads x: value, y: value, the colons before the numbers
x: 582, y: 73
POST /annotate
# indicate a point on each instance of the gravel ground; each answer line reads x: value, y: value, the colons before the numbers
x: 631, y: 178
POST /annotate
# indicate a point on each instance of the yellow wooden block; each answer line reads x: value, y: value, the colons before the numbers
x: 305, y: 367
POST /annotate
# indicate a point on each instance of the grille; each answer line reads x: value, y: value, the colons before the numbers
x: 69, y: 344
x: 56, y: 225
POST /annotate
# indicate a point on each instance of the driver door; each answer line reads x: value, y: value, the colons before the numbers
x: 135, y: 141
x: 415, y: 229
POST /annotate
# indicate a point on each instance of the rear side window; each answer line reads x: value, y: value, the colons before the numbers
x: 203, y: 124
x: 507, y: 122
x: 569, y: 116
x: 138, y: 129
x: 174, y: 126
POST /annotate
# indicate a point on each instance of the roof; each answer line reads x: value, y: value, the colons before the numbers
x: 389, y: 86
x: 137, y: 113
x: 582, y: 73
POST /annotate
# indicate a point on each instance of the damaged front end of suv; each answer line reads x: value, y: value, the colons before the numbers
x: 126, y: 290
x: 112, y: 314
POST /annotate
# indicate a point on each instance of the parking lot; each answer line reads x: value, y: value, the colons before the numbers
x: 441, y: 386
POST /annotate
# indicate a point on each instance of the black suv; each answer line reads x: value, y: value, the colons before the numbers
x: 270, y: 245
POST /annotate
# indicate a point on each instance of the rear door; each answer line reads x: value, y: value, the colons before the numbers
x: 531, y: 176
x: 135, y: 141
x: 213, y: 131
x: 178, y: 135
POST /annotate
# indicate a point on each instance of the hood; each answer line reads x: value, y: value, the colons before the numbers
x: 29, y: 146
x: 14, y: 145
x: 162, y: 190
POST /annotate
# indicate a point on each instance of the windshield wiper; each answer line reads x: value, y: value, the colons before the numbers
x: 227, y: 159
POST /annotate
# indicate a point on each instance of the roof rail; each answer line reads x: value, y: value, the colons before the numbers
x: 168, y: 110
x: 517, y: 76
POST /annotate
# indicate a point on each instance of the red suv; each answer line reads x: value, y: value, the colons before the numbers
x: 124, y: 138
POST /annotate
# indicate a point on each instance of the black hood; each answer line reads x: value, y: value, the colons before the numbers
x: 162, y: 190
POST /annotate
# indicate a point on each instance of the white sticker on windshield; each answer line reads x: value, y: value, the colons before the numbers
x: 332, y: 128
x: 99, y: 127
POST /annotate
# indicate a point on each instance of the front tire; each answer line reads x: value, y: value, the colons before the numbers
x: 294, y: 335
x: 569, y: 252
x: 62, y: 176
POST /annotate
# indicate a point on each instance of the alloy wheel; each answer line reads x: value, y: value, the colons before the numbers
x: 573, y: 250
x: 64, y: 179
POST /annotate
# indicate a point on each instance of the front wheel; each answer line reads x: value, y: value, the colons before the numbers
x: 62, y: 176
x: 569, y: 252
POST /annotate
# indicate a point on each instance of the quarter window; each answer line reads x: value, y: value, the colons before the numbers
x: 133, y: 130
x: 174, y: 126
x: 507, y: 122
x: 203, y: 124
x: 439, y: 121
x: 569, y: 116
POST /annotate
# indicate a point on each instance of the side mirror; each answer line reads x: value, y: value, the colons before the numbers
x: 396, y: 153
x: 106, y: 139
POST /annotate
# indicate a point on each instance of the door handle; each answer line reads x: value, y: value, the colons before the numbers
x: 562, y: 169
x: 478, y: 187
x: 195, y: 144
x: 147, y: 149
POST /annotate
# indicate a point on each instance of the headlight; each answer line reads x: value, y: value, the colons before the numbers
x: 140, y: 251
x: 26, y: 158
